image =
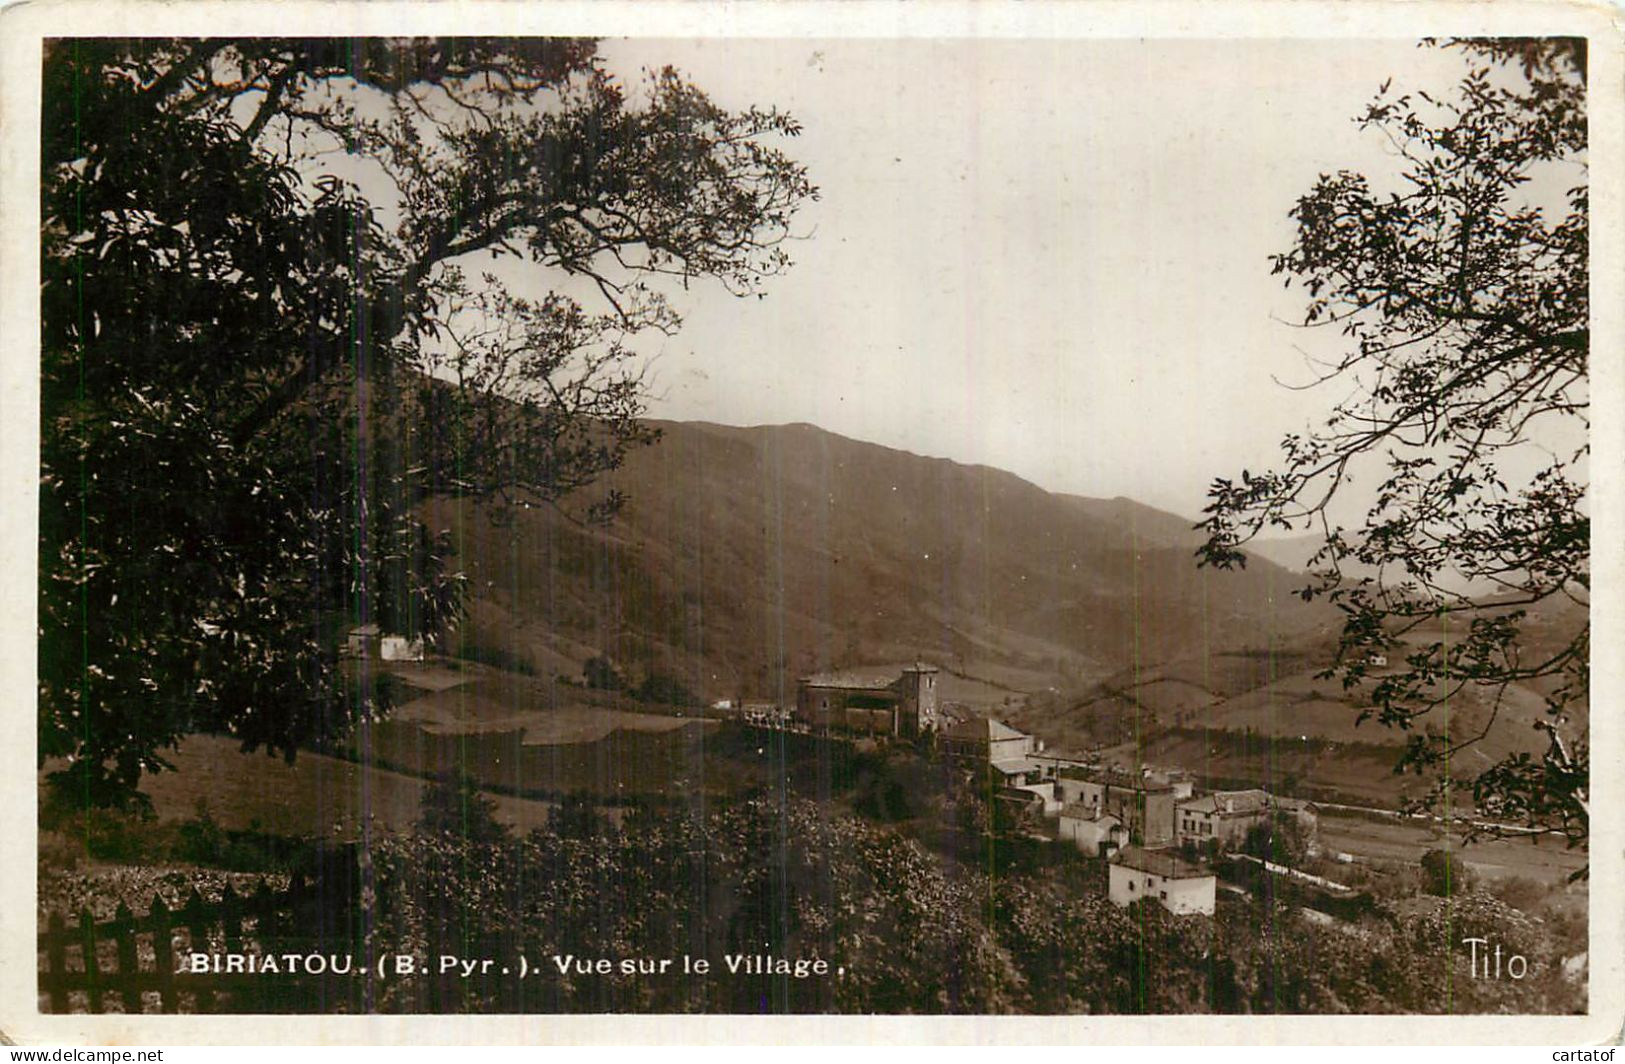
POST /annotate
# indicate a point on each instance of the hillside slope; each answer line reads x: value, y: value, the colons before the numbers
x: 748, y: 556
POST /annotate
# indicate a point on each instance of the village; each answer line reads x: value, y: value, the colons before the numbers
x: 1163, y: 839
x: 1162, y: 829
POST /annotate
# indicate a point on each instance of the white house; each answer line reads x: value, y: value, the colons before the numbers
x: 1045, y: 791
x: 1176, y: 885
x: 1223, y: 817
x: 400, y: 648
x: 1095, y: 833
x: 367, y: 641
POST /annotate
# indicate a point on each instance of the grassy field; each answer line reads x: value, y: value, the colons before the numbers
x: 1302, y: 704
x: 527, y: 741
x: 1354, y: 775
x: 483, y: 706
x: 532, y: 735
x: 1546, y: 861
x: 315, y: 796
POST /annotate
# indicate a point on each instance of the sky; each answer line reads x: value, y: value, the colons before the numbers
x: 1047, y: 256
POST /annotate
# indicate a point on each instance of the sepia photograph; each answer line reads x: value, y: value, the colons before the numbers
x: 990, y: 524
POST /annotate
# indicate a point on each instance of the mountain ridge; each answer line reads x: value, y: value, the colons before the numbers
x: 748, y: 555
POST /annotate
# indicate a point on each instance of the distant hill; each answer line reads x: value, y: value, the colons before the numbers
x: 1264, y: 715
x: 1147, y: 524
x: 1295, y: 553
x: 1289, y: 552
x: 748, y: 556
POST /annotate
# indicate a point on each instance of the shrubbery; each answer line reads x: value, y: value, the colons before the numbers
x: 140, y: 838
x: 601, y: 674
x: 908, y: 930
x: 1444, y: 873
x: 666, y: 690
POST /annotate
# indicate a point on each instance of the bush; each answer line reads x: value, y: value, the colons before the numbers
x: 1520, y: 892
x: 884, y: 798
x: 132, y: 838
x: 58, y: 852
x: 1279, y: 839
x: 601, y: 674
x: 1445, y: 874
x: 454, y: 806
x: 202, y: 841
x: 666, y: 690
x: 576, y: 816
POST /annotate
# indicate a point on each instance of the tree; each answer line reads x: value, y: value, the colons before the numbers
x: 599, y: 672
x: 666, y: 689
x: 264, y: 343
x: 1279, y: 839
x: 452, y: 804
x: 1459, y: 288
x: 1444, y: 873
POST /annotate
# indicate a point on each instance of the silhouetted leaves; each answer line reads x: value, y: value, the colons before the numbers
x: 1460, y: 285
x: 264, y: 345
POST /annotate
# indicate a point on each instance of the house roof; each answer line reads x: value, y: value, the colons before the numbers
x: 1079, y: 811
x: 854, y: 680
x: 364, y: 629
x: 1115, y: 777
x: 1016, y: 766
x: 1159, y: 863
x: 984, y: 731
x: 849, y: 681
x: 1230, y: 803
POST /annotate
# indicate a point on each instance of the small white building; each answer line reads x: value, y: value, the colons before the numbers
x: 400, y: 648
x: 362, y: 642
x: 1183, y: 783
x: 1045, y: 792
x: 1177, y: 885
x: 1023, y: 772
x: 366, y: 641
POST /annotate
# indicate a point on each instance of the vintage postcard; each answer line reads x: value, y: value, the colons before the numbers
x: 687, y: 522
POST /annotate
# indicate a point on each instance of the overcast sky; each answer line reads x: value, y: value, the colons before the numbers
x: 1047, y: 256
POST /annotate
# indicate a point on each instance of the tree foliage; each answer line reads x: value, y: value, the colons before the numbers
x: 1444, y: 873
x: 902, y: 928
x: 1459, y: 287
x: 600, y: 672
x: 1279, y: 838
x: 267, y: 335
x: 452, y: 804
